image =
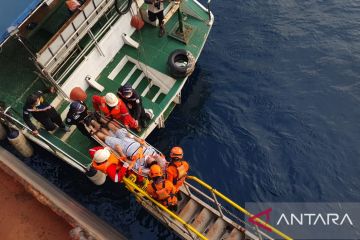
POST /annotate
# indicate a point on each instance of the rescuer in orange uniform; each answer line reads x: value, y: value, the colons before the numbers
x: 161, y: 189
x: 178, y: 168
x: 106, y: 162
x: 114, y: 108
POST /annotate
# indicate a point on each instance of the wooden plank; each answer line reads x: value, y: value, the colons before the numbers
x: 216, y: 230
x: 235, y: 235
x: 202, y: 220
x: 171, y: 12
x: 189, y: 210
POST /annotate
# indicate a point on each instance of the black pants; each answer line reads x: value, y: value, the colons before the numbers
x: 158, y: 15
x: 81, y: 127
x: 52, y: 118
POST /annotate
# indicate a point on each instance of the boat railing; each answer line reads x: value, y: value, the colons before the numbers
x: 72, y: 161
x: 66, y: 39
x: 208, y: 9
x: 78, y: 56
x: 219, y: 201
x: 165, y: 213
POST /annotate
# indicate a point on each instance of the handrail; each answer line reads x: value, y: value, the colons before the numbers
x: 173, y: 215
x: 52, y: 146
x: 85, y: 49
x: 208, y: 9
x: 100, y: 6
x: 235, y: 205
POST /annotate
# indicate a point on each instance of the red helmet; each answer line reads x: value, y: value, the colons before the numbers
x: 176, y: 152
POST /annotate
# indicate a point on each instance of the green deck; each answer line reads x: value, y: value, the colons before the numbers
x: 18, y: 79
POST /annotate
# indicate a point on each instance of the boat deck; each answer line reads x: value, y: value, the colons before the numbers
x: 129, y: 65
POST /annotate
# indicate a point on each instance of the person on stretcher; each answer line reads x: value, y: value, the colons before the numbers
x: 141, y: 155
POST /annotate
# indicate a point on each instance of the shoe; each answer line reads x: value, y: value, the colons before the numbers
x: 161, y: 32
x: 149, y: 113
x: 66, y: 129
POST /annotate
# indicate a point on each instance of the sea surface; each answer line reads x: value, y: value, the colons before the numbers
x: 271, y: 113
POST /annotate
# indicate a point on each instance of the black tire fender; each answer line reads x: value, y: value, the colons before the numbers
x: 181, y: 63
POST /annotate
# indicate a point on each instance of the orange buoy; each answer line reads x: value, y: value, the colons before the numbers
x: 77, y: 94
x: 137, y: 22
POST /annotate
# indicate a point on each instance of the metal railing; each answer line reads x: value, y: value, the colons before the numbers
x: 143, y: 195
x: 208, y: 9
x: 78, y: 33
x: 53, y: 147
x: 85, y: 50
x: 214, y: 198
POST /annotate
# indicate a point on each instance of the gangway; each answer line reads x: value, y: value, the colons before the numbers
x: 201, y: 215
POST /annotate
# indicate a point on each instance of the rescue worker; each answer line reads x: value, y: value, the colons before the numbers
x: 156, y: 11
x: 78, y: 115
x: 161, y: 189
x: 134, y: 103
x: 43, y: 112
x: 106, y: 162
x: 114, y: 108
x: 178, y: 168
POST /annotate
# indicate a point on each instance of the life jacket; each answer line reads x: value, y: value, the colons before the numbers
x: 118, y: 112
x: 72, y: 5
x: 181, y: 171
x: 104, y: 165
x: 161, y: 191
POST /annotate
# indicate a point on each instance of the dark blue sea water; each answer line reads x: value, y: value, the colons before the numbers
x: 270, y: 114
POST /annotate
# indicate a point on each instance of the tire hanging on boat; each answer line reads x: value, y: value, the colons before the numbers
x: 181, y: 63
x: 122, y: 6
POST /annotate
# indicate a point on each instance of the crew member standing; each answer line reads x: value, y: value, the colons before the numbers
x: 43, y: 112
x: 156, y: 11
x: 134, y: 103
x: 161, y: 189
x: 114, y: 108
x: 178, y: 168
x: 78, y: 115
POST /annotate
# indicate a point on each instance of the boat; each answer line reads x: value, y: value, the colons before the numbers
x: 97, y: 48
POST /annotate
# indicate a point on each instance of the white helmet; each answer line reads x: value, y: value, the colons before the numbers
x: 101, y: 155
x: 111, y: 100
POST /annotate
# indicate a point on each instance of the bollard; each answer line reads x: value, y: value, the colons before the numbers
x: 20, y: 143
x: 96, y: 176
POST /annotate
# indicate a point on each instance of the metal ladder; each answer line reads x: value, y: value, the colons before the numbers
x: 201, y: 215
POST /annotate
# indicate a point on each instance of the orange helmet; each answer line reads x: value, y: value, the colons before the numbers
x: 176, y: 152
x: 155, y: 171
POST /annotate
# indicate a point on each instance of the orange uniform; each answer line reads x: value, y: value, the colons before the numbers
x: 119, y: 112
x: 162, y: 191
x: 112, y: 167
x: 176, y: 173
